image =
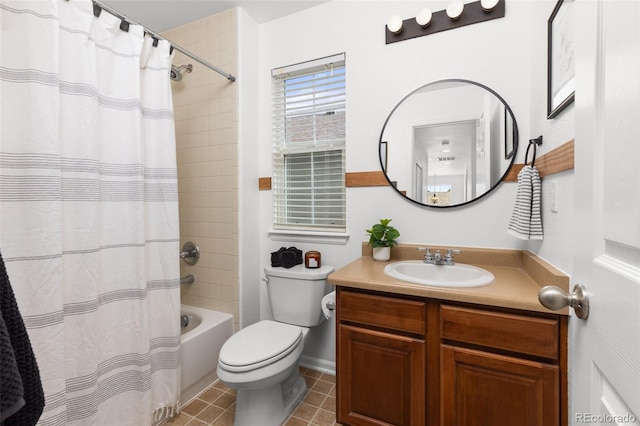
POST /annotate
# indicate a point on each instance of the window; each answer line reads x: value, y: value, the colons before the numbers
x: 309, y: 145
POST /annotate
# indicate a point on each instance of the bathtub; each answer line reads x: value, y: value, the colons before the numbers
x: 200, y: 342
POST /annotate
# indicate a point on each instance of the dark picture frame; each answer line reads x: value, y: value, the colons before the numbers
x: 560, y: 58
x: 383, y: 155
x: 508, y: 135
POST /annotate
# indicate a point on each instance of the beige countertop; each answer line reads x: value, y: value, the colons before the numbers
x: 519, y: 275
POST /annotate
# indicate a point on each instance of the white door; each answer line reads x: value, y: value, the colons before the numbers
x: 604, y: 366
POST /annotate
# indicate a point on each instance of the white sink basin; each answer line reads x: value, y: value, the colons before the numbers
x: 458, y: 275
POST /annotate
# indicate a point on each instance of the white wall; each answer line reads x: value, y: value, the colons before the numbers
x: 558, y: 227
x: 511, y: 61
x: 248, y: 172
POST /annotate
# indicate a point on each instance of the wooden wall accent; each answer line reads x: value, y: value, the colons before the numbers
x: 554, y: 161
x: 356, y: 179
x: 264, y: 184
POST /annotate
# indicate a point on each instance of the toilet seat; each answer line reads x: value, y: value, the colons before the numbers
x: 259, y: 344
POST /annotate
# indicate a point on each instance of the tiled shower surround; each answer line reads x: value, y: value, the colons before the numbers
x: 206, y: 116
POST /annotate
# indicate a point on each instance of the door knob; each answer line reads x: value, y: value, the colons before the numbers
x: 555, y: 298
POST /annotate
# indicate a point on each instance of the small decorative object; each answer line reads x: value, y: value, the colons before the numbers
x: 312, y: 259
x: 382, y: 237
x: 561, y: 82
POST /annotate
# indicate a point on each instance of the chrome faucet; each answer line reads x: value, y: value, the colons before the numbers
x: 437, y: 258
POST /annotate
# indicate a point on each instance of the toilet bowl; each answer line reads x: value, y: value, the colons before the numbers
x: 261, y: 361
x: 269, y: 385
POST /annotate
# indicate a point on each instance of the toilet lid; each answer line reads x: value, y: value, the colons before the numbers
x: 259, y: 344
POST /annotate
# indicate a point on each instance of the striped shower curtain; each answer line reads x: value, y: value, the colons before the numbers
x: 89, y: 210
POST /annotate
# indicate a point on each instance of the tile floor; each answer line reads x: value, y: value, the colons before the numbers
x: 216, y: 404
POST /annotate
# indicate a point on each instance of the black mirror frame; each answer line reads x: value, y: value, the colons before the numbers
x: 452, y: 80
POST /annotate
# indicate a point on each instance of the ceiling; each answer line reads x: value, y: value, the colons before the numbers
x: 161, y: 15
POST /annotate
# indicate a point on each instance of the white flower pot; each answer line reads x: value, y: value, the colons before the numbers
x: 382, y: 254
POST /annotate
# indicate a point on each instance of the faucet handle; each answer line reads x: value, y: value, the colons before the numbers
x: 427, y: 253
x: 449, y: 256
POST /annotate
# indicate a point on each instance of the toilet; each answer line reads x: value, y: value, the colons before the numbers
x: 261, y: 360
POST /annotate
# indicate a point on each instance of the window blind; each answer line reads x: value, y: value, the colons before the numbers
x: 309, y: 105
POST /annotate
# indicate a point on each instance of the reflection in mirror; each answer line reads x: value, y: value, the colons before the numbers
x: 448, y: 143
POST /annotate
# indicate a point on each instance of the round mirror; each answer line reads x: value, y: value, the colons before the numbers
x: 448, y: 143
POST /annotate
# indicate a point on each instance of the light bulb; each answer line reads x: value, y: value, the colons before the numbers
x: 454, y: 9
x: 395, y: 24
x: 424, y: 17
x: 488, y: 5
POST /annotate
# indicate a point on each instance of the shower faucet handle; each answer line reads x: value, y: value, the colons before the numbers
x: 190, y: 253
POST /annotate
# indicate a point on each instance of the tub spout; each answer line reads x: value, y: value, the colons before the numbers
x: 189, y: 279
x: 184, y: 320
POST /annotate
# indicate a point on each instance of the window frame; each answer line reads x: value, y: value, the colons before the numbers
x: 322, y: 71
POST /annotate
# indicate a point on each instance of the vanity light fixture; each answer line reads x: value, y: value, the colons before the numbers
x: 455, y: 9
x: 457, y: 14
x: 395, y: 24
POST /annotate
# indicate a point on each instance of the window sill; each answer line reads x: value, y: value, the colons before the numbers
x: 336, y: 238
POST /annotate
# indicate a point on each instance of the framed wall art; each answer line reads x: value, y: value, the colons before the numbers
x: 560, y: 58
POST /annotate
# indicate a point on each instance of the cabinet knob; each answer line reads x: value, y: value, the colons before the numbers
x: 554, y: 298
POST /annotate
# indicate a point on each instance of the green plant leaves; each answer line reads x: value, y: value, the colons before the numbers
x: 383, y: 235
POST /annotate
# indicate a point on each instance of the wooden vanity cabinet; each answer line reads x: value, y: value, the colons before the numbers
x: 381, y: 359
x: 405, y: 360
x: 499, y: 368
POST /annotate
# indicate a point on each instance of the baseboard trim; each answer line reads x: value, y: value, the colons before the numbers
x: 318, y: 364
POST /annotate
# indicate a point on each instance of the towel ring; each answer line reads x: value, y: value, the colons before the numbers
x: 535, y: 143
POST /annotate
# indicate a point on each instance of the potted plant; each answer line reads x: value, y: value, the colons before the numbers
x: 382, y: 237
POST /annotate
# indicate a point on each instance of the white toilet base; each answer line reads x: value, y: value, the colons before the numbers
x: 269, y: 406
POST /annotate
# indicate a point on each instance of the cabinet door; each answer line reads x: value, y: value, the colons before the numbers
x: 480, y: 389
x: 380, y: 379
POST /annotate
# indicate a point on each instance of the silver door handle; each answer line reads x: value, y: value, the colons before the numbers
x: 555, y: 298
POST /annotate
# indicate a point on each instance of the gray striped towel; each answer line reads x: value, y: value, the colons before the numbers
x: 526, y: 219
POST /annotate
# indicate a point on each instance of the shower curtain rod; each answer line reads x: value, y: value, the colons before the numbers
x: 155, y: 35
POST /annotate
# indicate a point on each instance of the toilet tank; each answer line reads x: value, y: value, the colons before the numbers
x: 295, y: 293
